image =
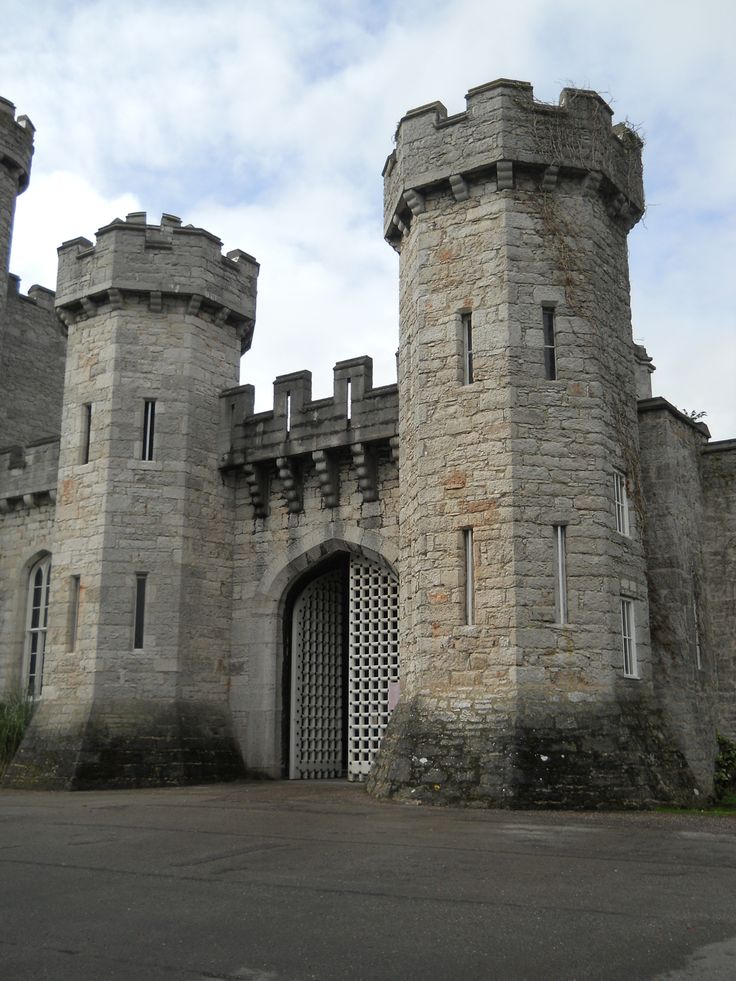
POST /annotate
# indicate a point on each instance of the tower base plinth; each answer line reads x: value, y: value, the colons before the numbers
x: 128, y: 744
x: 617, y: 756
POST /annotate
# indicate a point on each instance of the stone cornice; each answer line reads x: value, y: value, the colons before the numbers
x: 110, y: 299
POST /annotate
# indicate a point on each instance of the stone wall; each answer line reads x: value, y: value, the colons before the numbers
x: 719, y: 491
x: 16, y: 151
x: 31, y: 367
x: 680, y: 600
x: 114, y: 712
x: 328, y: 485
x: 27, y: 496
x: 498, y: 213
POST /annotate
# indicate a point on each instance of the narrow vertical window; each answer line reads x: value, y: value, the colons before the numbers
x: 39, y: 582
x: 621, y: 500
x: 350, y: 400
x: 466, y: 321
x: 560, y: 573
x: 149, y: 422
x: 140, y: 609
x: 698, y: 655
x: 469, y: 576
x: 288, y: 413
x: 86, y: 430
x: 628, y: 638
x: 550, y: 356
x: 74, y: 612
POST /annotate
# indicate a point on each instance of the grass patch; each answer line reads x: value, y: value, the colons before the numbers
x: 15, y: 714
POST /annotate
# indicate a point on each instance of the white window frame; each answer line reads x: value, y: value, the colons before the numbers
x: 628, y: 638
x: 698, y: 652
x: 466, y: 326
x: 37, y: 615
x: 561, y: 612
x: 621, y: 503
x: 75, y: 586
x: 549, y: 342
x: 149, y: 429
x: 139, y: 611
x: 469, y: 562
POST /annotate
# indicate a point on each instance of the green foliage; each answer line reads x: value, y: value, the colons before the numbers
x: 15, y: 714
x: 725, y: 769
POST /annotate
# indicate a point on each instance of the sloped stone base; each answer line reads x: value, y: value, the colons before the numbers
x: 613, y: 757
x: 128, y: 744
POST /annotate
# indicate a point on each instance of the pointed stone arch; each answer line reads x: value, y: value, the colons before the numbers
x: 257, y: 693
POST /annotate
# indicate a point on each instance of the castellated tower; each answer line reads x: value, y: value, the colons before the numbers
x: 16, y: 151
x: 135, y: 679
x: 526, y: 667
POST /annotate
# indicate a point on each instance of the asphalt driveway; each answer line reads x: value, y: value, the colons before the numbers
x: 296, y: 881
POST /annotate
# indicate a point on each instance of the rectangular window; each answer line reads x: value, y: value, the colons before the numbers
x: 149, y: 422
x: 466, y: 322
x: 550, y: 357
x: 628, y: 638
x: 74, y: 612
x: 622, y: 502
x: 698, y: 655
x: 560, y: 573
x: 86, y: 431
x: 469, y: 576
x: 140, y: 609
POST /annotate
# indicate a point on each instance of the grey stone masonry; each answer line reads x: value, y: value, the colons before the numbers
x: 31, y: 366
x: 28, y: 474
x: 507, y: 580
x: 16, y: 151
x: 681, y: 599
x: 158, y: 260
x: 137, y: 692
x: 504, y: 126
x: 514, y: 689
x: 300, y: 432
x: 718, y: 467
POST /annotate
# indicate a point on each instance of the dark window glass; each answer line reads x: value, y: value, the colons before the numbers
x: 149, y: 421
x: 140, y: 609
x: 550, y: 360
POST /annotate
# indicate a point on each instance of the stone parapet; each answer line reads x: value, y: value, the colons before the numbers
x: 504, y: 130
x: 16, y: 144
x: 161, y: 261
x: 28, y: 475
x: 297, y: 424
x: 301, y: 434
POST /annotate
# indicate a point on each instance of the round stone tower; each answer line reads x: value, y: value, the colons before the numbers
x: 526, y: 669
x: 135, y: 685
x: 16, y: 151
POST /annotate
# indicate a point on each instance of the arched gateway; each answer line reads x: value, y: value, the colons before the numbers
x: 341, y: 667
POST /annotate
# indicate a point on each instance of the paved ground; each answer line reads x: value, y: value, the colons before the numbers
x: 294, y: 881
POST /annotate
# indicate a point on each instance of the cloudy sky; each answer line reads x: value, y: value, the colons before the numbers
x: 269, y: 123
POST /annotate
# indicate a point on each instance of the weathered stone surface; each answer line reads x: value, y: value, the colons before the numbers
x: 126, y: 744
x: 500, y: 212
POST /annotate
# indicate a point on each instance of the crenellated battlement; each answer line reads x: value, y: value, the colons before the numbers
x: 28, y: 475
x: 16, y: 144
x: 166, y: 262
x: 299, y: 430
x: 502, y: 132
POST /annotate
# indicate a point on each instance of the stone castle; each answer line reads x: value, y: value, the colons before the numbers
x: 509, y: 579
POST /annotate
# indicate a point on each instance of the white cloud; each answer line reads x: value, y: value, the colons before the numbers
x: 63, y: 206
x: 269, y: 126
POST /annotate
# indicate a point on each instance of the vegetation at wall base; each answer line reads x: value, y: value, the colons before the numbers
x: 725, y: 771
x: 15, y: 714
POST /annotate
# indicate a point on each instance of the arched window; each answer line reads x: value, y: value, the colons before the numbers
x: 36, y: 621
